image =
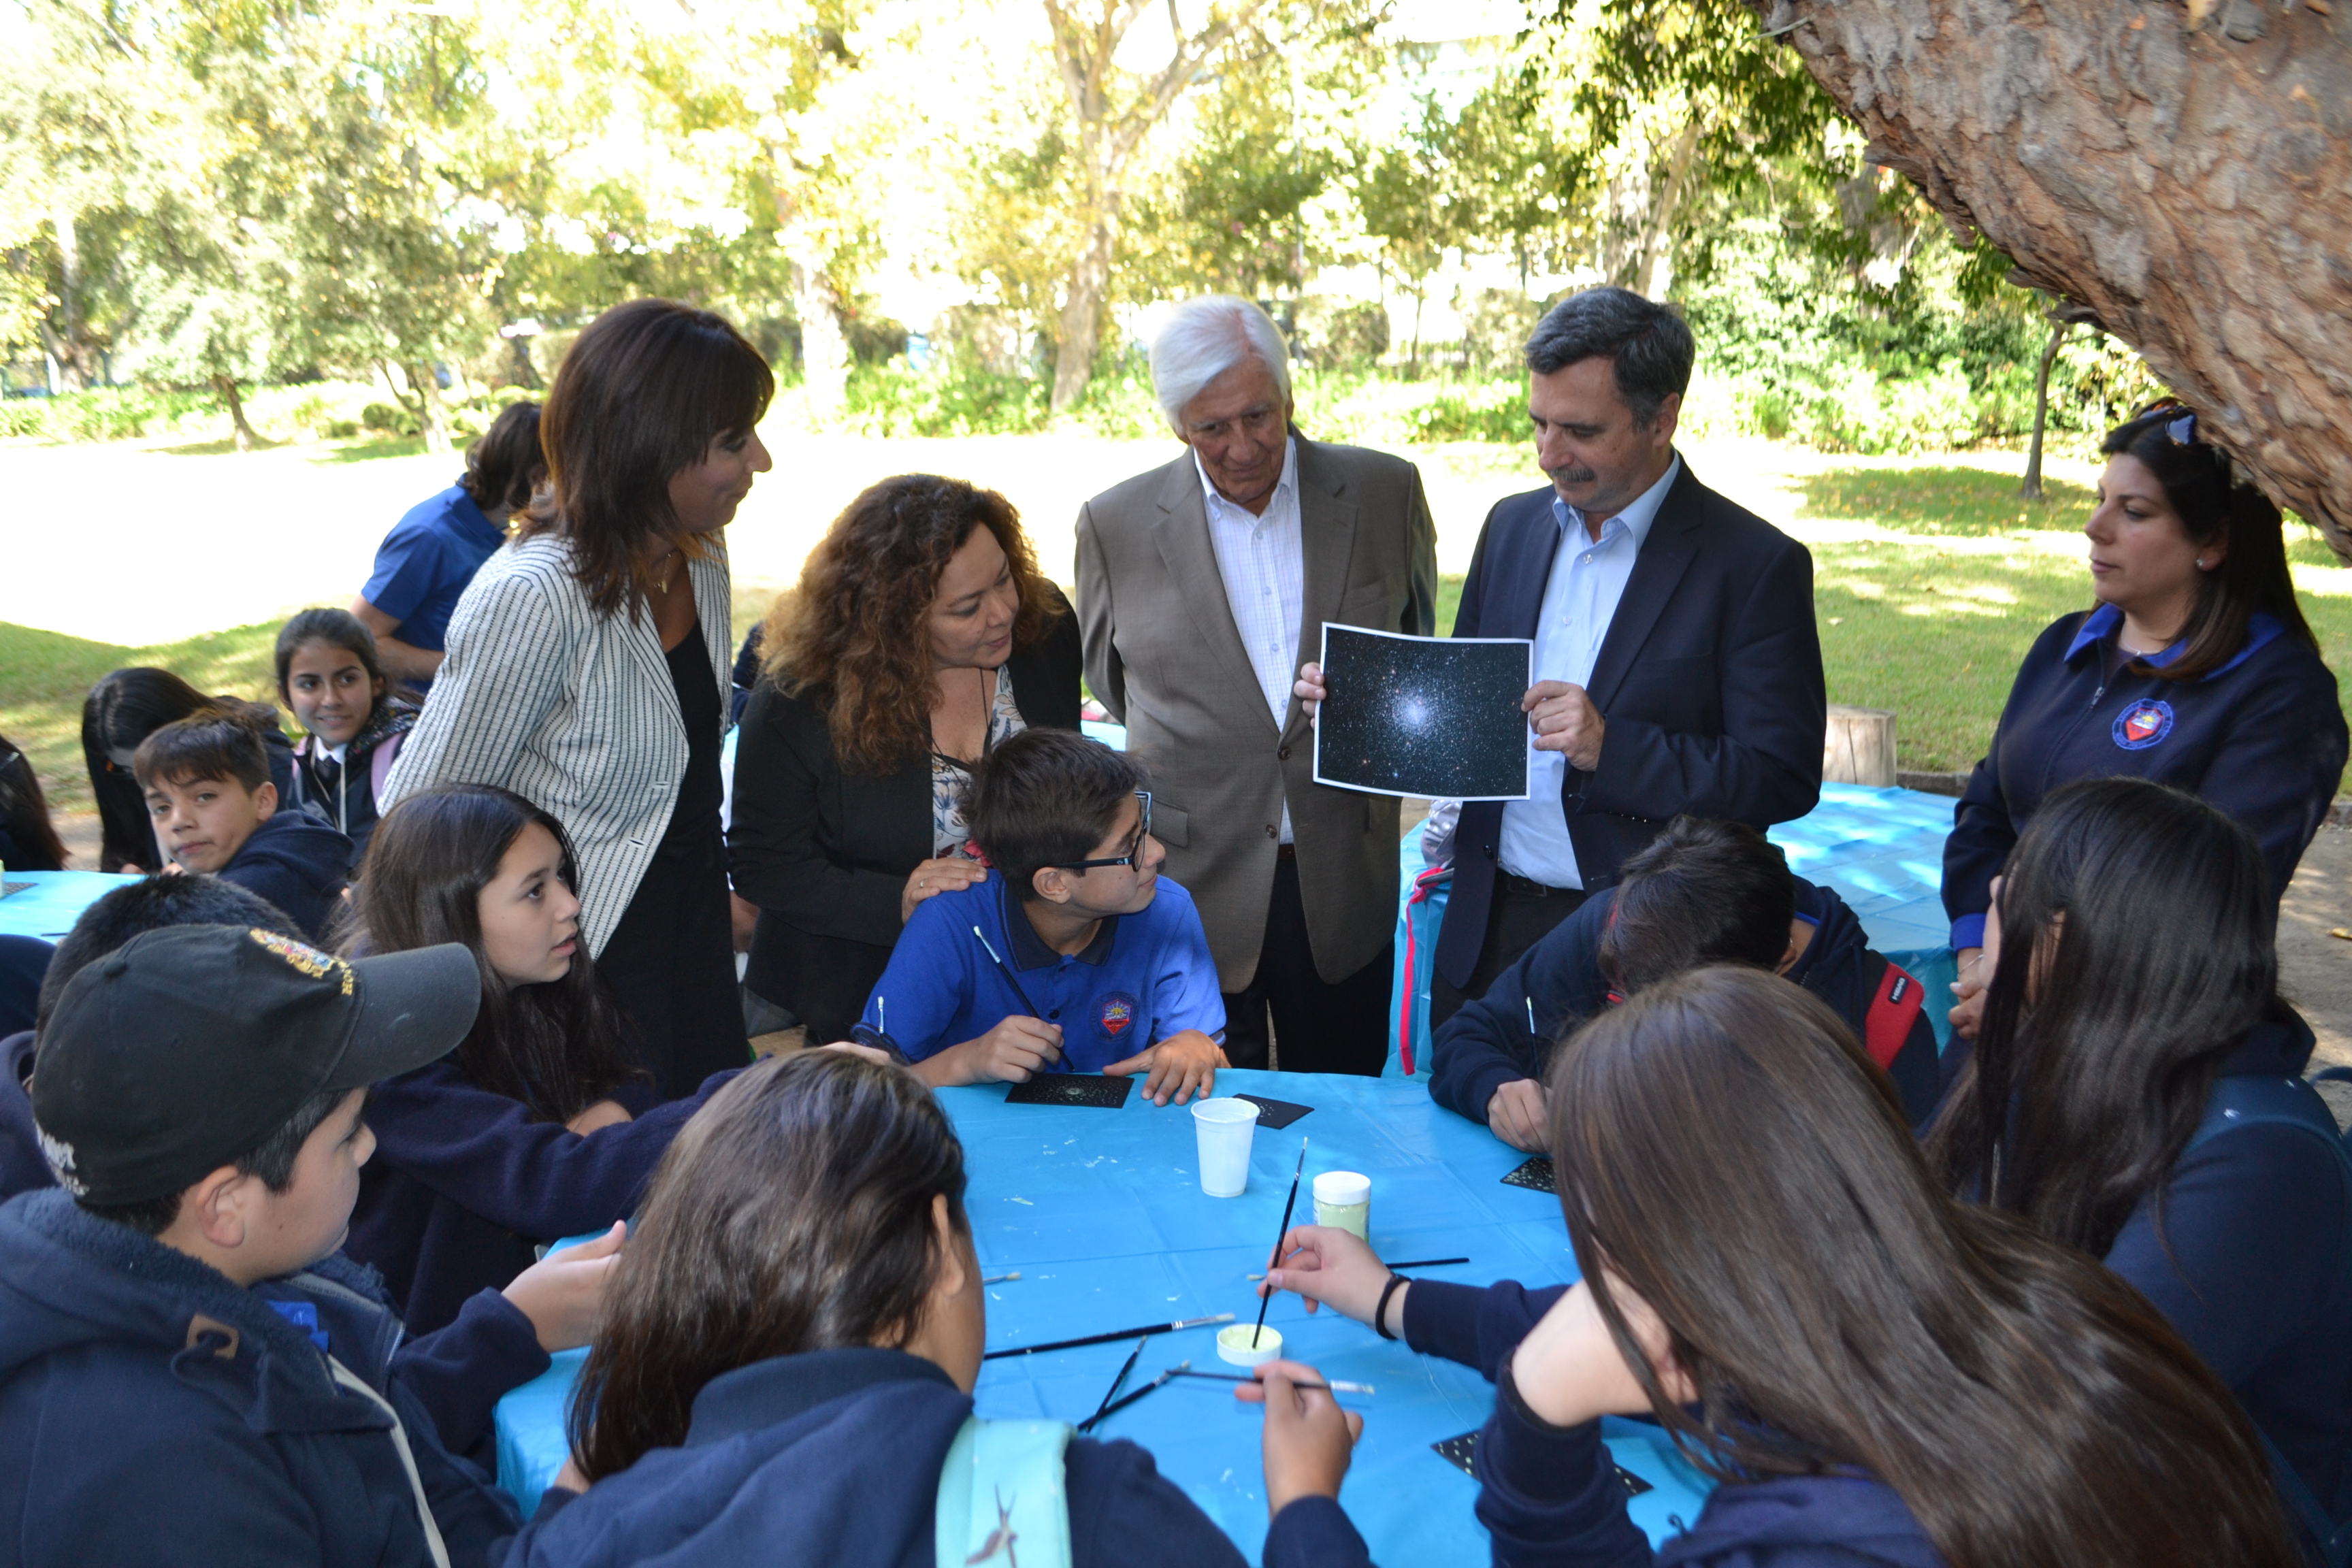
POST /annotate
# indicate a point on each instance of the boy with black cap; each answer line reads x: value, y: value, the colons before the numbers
x: 187, y: 1373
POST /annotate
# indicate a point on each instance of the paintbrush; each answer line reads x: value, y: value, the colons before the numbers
x: 1110, y: 1410
x: 1000, y: 1279
x: 1005, y: 969
x: 1287, y: 1205
x: 1108, y: 1338
x: 1120, y: 1380
x: 1336, y: 1385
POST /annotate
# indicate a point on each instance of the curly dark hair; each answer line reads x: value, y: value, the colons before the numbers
x: 850, y: 634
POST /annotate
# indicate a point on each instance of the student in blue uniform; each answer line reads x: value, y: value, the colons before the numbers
x: 1701, y: 892
x: 786, y: 1366
x: 2134, y: 1002
x: 329, y: 674
x: 188, y: 1373
x: 1105, y: 967
x: 2196, y: 670
x: 1877, y: 1373
x: 423, y: 564
x: 537, y: 1127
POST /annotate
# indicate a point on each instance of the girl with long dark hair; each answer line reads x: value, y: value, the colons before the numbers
x: 2195, y: 668
x: 587, y: 663
x: 538, y: 1126
x: 28, y: 841
x: 1870, y: 1370
x: 2133, y: 1011
x: 329, y: 674
x: 788, y: 1350
x: 122, y: 709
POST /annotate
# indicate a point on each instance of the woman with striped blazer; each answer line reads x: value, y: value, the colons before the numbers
x: 587, y: 660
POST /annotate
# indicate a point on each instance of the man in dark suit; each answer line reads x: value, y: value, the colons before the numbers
x: 1678, y: 668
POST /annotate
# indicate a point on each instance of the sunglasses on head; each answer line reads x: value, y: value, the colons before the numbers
x: 1135, y: 848
x: 2181, y: 430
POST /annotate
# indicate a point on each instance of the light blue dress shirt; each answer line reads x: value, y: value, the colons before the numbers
x: 1588, y: 578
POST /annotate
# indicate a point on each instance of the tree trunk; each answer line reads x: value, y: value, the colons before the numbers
x: 431, y: 423
x: 1082, y: 311
x: 2185, y: 173
x: 2032, y: 488
x: 1657, y: 233
x: 68, y: 348
x: 824, y: 347
x: 241, y: 432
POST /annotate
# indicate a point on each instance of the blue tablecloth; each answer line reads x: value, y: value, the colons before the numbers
x: 1102, y: 1213
x: 49, y: 907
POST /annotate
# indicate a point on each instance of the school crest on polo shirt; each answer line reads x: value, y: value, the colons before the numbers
x: 1114, y: 1013
x: 2143, y: 724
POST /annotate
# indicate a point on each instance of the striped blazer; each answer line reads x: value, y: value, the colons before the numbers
x: 572, y: 710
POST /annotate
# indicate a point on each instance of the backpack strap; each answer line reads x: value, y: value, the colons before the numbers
x: 1004, y: 1496
x: 379, y: 763
x: 1894, y: 1003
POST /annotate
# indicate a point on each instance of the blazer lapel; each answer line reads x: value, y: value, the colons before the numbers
x: 1326, y: 541
x: 1181, y: 534
x: 1666, y: 555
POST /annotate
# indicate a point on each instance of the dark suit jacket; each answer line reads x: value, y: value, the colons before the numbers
x: 1709, y: 680
x: 826, y: 855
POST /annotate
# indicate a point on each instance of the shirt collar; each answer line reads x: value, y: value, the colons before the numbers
x: 1638, y: 515
x: 1289, y: 482
x: 768, y: 1393
x: 464, y: 508
x: 1029, y: 948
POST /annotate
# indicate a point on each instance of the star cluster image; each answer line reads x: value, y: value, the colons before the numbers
x: 1423, y: 716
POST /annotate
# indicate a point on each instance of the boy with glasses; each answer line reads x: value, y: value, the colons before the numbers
x: 1072, y: 954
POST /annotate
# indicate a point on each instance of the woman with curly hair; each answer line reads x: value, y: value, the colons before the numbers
x: 921, y: 634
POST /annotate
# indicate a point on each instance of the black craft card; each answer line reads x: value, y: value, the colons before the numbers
x: 1274, y: 1115
x: 1072, y: 1089
x: 1458, y: 1451
x: 1424, y: 716
x: 1535, y: 1175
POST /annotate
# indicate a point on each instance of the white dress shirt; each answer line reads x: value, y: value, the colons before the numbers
x: 1588, y: 578
x: 1265, y: 570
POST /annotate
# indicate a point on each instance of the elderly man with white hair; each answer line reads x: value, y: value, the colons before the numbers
x: 1202, y: 587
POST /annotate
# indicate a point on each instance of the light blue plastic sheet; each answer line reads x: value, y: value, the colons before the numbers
x: 1882, y: 849
x: 1102, y: 1213
x: 56, y: 900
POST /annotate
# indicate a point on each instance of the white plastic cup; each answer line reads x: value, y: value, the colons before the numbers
x: 1344, y: 1199
x: 1225, y: 1127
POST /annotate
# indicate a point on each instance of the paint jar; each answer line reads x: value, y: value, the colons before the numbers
x: 1225, y: 1129
x: 1343, y: 1200
x: 1235, y: 1346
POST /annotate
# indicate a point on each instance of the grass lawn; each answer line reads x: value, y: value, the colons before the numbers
x: 1930, y: 583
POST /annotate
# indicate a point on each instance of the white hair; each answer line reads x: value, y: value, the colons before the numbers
x: 1204, y: 338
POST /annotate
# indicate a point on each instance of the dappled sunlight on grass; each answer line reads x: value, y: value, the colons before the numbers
x: 1939, y: 499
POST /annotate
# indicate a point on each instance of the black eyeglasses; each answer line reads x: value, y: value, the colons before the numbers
x: 1142, y: 832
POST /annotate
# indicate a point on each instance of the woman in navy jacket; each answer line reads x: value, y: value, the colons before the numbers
x: 2196, y: 668
x: 536, y: 1127
x: 2112, y: 1032
x: 1874, y: 1371
x: 788, y: 1351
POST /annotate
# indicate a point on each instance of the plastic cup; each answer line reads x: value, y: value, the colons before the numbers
x: 1344, y: 1199
x: 1225, y: 1127
x: 1233, y: 1345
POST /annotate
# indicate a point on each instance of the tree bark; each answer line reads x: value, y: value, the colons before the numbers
x: 240, y: 432
x: 1082, y: 311
x: 431, y: 423
x: 824, y: 347
x: 2032, y: 488
x: 1657, y: 233
x: 2184, y: 174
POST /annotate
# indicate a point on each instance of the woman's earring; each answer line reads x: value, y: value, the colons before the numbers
x: 2203, y: 565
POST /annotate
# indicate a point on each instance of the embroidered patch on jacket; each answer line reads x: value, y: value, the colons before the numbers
x: 2143, y: 724
x: 1116, y: 1014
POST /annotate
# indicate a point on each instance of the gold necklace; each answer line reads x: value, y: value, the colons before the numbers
x: 661, y: 583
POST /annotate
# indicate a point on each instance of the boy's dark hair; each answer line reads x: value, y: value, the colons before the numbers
x: 1701, y: 892
x: 153, y: 903
x: 214, y: 745
x: 1045, y: 797
x: 505, y: 465
x: 272, y: 1160
x: 336, y: 629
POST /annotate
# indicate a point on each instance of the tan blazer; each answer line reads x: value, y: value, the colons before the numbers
x: 1164, y: 656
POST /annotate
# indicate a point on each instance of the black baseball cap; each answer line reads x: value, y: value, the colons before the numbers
x: 186, y: 1048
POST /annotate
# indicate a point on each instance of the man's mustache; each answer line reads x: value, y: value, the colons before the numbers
x: 1571, y: 475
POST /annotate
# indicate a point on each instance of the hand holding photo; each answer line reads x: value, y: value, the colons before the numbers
x: 1424, y: 716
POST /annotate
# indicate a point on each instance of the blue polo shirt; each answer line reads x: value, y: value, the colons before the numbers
x: 1142, y: 978
x: 424, y: 562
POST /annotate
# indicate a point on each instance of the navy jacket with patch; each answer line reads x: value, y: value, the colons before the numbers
x: 834, y: 1457
x: 151, y: 1411
x: 464, y: 1184
x: 2263, y: 737
x: 1550, y: 1498
x: 298, y: 863
x: 1508, y: 1033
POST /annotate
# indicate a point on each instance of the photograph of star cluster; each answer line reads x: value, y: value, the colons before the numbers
x: 1424, y: 716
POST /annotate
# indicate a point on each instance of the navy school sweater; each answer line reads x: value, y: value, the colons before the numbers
x: 834, y: 1457
x: 153, y: 1411
x: 1548, y: 1497
x: 1509, y: 1032
x: 2263, y: 737
x: 464, y: 1185
x: 298, y: 864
